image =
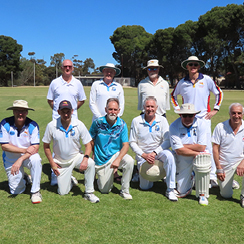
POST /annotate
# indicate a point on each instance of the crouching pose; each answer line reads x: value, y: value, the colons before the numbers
x: 110, y: 141
x: 66, y: 133
x: 19, y: 138
x: 188, y: 140
x: 228, y: 142
x: 149, y: 139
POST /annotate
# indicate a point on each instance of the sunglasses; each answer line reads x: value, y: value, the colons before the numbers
x: 152, y: 69
x: 193, y: 64
x: 187, y: 115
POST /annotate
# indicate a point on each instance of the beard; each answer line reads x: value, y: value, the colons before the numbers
x: 153, y: 75
x: 112, y: 117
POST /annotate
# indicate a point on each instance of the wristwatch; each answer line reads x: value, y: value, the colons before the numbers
x: 86, y: 156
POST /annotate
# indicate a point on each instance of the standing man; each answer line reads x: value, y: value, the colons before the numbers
x: 154, y: 85
x: 195, y: 88
x: 188, y: 140
x: 228, y: 143
x: 110, y: 142
x: 106, y: 88
x: 66, y: 133
x: 149, y: 139
x: 20, y: 139
x: 65, y: 87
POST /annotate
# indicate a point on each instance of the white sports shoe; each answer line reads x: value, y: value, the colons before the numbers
x: 235, y: 185
x: 135, y: 177
x: 203, y: 200
x: 74, y: 180
x: 242, y: 201
x: 171, y: 196
x: 91, y: 197
x: 181, y: 195
x: 126, y: 196
x: 213, y: 184
x: 36, y: 197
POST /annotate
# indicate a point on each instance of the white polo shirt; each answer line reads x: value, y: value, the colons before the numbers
x: 60, y: 90
x: 9, y: 134
x: 231, y: 145
x: 66, y: 144
x: 197, y: 94
x: 146, y: 138
x: 160, y: 91
x: 180, y: 135
x: 100, y: 93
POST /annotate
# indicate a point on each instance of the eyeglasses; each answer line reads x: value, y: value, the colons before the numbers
x: 152, y: 69
x: 67, y: 66
x: 187, y: 115
x: 193, y: 64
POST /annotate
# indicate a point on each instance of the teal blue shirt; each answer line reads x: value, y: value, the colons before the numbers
x: 108, y: 140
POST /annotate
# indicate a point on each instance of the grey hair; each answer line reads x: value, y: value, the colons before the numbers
x: 150, y: 98
x: 236, y: 105
x: 112, y: 100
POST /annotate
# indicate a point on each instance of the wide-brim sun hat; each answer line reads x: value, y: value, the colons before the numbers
x: 153, y: 63
x: 20, y: 104
x: 110, y: 66
x: 192, y: 59
x: 152, y: 172
x: 187, y: 108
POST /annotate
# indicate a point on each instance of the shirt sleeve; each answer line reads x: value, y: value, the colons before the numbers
x: 139, y: 106
x: 4, y: 135
x: 92, y: 101
x: 50, y: 93
x: 121, y: 101
x: 84, y: 133
x: 218, y: 93
x: 216, y: 135
x: 81, y: 92
x: 134, y: 140
x: 174, y: 94
x: 47, y: 138
x: 34, y: 133
x: 175, y: 140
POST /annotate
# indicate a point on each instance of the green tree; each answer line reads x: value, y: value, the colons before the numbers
x: 9, y: 58
x: 88, y: 66
x: 130, y: 46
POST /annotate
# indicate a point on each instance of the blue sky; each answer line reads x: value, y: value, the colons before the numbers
x: 83, y: 28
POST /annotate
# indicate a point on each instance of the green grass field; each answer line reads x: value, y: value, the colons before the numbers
x: 149, y: 218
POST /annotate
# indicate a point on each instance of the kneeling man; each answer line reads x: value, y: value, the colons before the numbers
x: 66, y: 133
x: 188, y: 140
x: 149, y: 139
x: 20, y: 139
x: 110, y: 141
x: 228, y: 143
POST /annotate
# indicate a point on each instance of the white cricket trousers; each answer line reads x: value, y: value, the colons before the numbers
x: 64, y: 178
x: 106, y: 174
x: 168, y: 160
x: 225, y: 186
x: 17, y: 183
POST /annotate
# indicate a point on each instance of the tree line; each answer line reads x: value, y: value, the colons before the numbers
x: 217, y: 38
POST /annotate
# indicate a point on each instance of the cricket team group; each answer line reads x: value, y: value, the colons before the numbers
x: 185, y: 154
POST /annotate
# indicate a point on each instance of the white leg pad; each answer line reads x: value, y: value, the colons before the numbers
x: 202, y: 168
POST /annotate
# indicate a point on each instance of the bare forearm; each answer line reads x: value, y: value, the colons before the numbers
x: 10, y: 148
x: 195, y: 147
x: 80, y: 103
x: 50, y: 102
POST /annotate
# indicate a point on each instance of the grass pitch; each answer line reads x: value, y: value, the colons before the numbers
x: 149, y: 218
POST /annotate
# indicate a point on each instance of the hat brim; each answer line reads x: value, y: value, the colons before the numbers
x: 12, y: 108
x: 151, y: 177
x: 187, y: 112
x: 184, y: 63
x: 117, y: 70
x: 153, y: 66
